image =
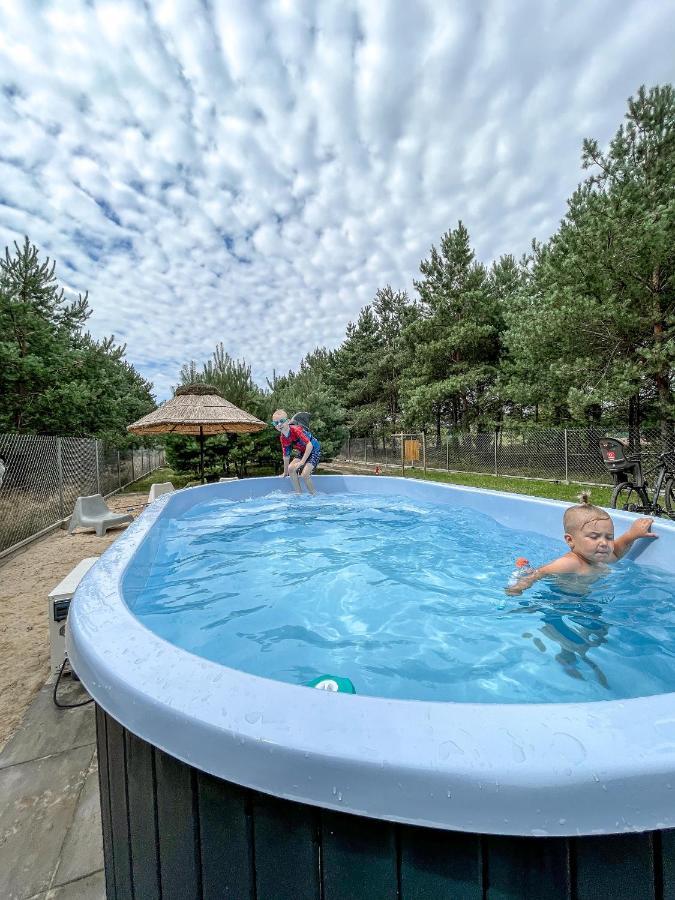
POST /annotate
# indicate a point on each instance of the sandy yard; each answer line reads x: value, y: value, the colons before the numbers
x: 26, y: 578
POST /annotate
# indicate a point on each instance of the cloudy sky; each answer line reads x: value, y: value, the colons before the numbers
x: 252, y: 172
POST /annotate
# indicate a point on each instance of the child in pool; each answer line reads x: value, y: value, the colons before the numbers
x: 589, y: 533
x: 296, y: 437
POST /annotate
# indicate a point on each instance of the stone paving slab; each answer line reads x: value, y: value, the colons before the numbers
x: 50, y: 823
x: 83, y: 846
x: 46, y: 730
x: 90, y: 888
x: 39, y: 798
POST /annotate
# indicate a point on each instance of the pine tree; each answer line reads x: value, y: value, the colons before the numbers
x: 596, y: 326
x: 354, y: 374
x: 37, y: 327
x: 54, y: 377
x: 454, y: 343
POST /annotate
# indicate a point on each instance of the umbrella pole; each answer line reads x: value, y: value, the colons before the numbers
x: 201, y: 453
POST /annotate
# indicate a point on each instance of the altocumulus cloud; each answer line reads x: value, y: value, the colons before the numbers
x: 252, y: 172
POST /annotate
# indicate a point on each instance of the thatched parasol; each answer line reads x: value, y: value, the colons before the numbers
x: 197, y: 409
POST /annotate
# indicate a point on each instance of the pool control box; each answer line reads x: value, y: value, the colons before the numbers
x: 59, y: 602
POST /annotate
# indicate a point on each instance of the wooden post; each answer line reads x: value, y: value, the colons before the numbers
x: 424, y: 452
x: 59, y: 469
x: 567, y: 474
x: 201, y: 453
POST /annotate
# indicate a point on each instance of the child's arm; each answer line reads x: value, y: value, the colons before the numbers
x: 565, y: 565
x: 286, y: 457
x: 639, y: 529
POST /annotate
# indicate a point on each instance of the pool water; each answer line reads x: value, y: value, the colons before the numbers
x: 405, y: 598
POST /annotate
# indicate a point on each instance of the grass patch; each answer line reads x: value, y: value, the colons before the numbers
x: 166, y: 474
x: 552, y: 490
x: 181, y: 481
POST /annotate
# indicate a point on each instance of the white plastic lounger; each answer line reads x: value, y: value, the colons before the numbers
x: 233, y: 478
x: 156, y: 490
x: 93, y: 512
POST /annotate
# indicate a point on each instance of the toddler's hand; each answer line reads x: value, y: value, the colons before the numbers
x: 640, y: 528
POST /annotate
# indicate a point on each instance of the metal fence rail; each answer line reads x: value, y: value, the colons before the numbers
x: 565, y: 454
x: 42, y: 477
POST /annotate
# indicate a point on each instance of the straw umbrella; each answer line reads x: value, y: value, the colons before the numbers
x: 197, y: 409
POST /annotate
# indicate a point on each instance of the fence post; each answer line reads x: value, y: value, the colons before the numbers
x: 59, y: 471
x: 119, y: 472
x: 567, y: 478
x: 424, y: 452
x: 403, y: 455
x: 447, y: 452
x: 133, y: 477
x: 98, y: 470
x: 496, y: 436
x: 349, y: 449
x: 365, y: 450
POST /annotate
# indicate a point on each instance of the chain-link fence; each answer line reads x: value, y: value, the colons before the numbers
x: 565, y: 454
x: 42, y: 477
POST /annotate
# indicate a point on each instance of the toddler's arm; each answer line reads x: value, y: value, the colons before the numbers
x: 639, y: 529
x: 564, y: 565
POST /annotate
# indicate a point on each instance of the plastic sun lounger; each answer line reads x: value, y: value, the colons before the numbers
x: 93, y: 512
x: 156, y: 490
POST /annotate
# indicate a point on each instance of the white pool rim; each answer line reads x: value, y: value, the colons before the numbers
x: 519, y: 769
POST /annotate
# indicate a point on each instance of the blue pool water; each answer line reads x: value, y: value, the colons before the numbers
x: 405, y: 598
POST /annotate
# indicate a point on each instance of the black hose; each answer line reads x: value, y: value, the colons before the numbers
x: 56, y: 686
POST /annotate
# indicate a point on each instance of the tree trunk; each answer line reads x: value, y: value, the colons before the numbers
x: 665, y: 402
x: 634, y: 422
x: 662, y: 378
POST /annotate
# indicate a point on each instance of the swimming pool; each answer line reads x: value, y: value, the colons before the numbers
x: 528, y: 769
x: 405, y: 597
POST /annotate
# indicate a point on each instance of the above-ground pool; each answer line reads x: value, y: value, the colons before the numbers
x: 462, y: 719
x: 403, y: 596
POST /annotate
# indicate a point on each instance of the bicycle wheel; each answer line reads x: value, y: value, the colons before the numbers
x: 630, y: 497
x: 669, y: 491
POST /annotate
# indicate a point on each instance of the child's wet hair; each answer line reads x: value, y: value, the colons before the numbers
x: 584, y: 512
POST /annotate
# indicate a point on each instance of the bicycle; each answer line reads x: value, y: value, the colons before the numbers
x: 631, y: 490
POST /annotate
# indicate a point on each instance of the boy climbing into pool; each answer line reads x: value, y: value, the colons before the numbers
x: 297, y: 437
x: 589, y: 533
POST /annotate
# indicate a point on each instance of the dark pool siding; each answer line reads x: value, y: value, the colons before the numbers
x: 171, y: 831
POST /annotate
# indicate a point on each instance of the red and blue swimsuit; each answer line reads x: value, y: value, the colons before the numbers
x: 297, y: 439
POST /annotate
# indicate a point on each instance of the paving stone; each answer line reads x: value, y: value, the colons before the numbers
x: 90, y: 888
x: 82, y: 851
x: 46, y: 729
x: 38, y: 802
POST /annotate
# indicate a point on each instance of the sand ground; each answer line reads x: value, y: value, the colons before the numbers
x: 26, y: 578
